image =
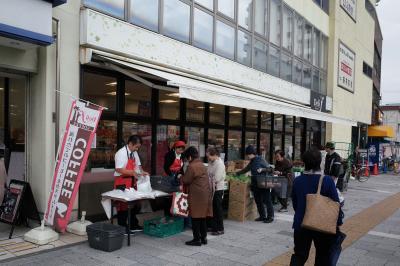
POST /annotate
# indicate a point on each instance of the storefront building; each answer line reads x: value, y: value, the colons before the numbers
x: 226, y: 73
x: 25, y: 28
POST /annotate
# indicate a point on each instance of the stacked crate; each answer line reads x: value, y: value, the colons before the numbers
x: 241, y: 205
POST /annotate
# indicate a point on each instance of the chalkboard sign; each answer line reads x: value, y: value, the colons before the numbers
x: 18, y: 205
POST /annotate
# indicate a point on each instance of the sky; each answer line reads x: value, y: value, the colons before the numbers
x: 389, y: 19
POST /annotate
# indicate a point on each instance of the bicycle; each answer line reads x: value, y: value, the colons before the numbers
x: 359, y: 172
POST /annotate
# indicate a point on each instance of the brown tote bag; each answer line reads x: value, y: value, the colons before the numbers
x: 321, y: 212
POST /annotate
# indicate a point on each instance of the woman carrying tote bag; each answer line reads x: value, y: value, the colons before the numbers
x: 305, y: 231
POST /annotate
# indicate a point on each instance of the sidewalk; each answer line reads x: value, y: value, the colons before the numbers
x: 250, y: 243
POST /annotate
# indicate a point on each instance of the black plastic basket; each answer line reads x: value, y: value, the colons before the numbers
x: 167, y: 184
x: 105, y: 236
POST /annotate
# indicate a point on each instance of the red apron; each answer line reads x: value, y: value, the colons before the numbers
x: 176, y: 166
x: 126, y: 180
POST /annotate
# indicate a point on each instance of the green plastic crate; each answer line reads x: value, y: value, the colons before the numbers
x: 163, y: 227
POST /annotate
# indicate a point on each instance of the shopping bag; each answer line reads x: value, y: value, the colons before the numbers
x: 180, y: 204
x: 321, y: 212
x: 143, y: 184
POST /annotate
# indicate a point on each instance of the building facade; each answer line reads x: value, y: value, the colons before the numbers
x: 225, y: 73
x: 391, y: 117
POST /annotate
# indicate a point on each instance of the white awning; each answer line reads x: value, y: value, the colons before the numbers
x: 203, y: 91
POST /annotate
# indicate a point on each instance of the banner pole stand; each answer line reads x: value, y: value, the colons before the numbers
x: 41, y: 235
x: 79, y: 227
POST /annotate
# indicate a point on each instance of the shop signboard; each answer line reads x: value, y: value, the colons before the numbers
x: 373, y: 153
x: 346, y: 67
x: 350, y: 7
x: 318, y: 101
x: 71, y: 161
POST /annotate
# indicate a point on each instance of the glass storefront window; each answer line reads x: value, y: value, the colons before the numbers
x: 227, y: 7
x: 298, y: 139
x: 289, y: 124
x: 203, y: 30
x: 260, y: 56
x: 100, y: 89
x: 307, y: 42
x: 252, y: 119
x: 266, y: 120
x: 264, y: 145
x: 315, y: 80
x: 206, y: 3
x: 102, y: 154
x: 273, y: 61
x: 316, y: 46
x: 298, y: 36
x: 194, y: 111
x: 225, y: 40
x: 297, y: 71
x: 166, y: 137
x: 2, y: 130
x: 143, y: 130
x: 287, y: 25
x: 176, y: 20
x: 234, y: 145
x: 278, y: 123
x: 307, y: 76
x: 277, y: 142
x: 112, y: 7
x: 288, y: 147
x: 195, y: 137
x: 137, y: 98
x: 216, y: 138
x: 286, y: 67
x: 323, y: 59
x: 217, y: 114
x: 169, y: 105
x: 235, y: 117
x: 251, y: 139
x: 144, y: 13
x: 275, y: 22
x: 244, y: 48
x: 260, y: 16
x: 245, y: 8
x: 17, y: 114
x: 322, y: 80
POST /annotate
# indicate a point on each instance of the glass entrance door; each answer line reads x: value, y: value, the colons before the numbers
x: 12, y: 125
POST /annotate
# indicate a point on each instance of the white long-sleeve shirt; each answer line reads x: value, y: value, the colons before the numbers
x: 216, y: 171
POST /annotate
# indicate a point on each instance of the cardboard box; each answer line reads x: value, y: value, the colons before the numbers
x: 241, y: 212
x: 239, y: 191
x: 240, y: 164
x: 230, y: 167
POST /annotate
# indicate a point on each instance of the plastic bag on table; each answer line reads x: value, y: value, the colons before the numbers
x: 143, y: 184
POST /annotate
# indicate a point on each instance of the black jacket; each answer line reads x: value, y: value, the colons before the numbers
x: 168, y: 161
x: 254, y: 164
x: 333, y: 165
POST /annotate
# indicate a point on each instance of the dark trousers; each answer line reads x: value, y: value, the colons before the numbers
x: 122, y: 217
x: 217, y: 223
x: 262, y: 197
x: 302, y: 244
x: 199, y: 228
x: 284, y: 201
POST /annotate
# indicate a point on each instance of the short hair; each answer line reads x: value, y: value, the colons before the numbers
x: 280, y: 152
x: 135, y: 139
x: 213, y: 151
x: 312, y: 160
x: 191, y: 152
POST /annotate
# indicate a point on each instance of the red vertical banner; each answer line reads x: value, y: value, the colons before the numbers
x: 71, y: 162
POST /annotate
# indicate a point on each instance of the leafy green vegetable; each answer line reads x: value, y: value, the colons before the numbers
x: 240, y: 178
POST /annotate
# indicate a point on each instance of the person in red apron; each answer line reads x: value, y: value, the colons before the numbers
x: 173, y: 162
x: 127, y: 170
x: 173, y: 166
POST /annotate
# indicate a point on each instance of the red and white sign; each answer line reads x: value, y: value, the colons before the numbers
x: 74, y: 151
x: 346, y: 67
